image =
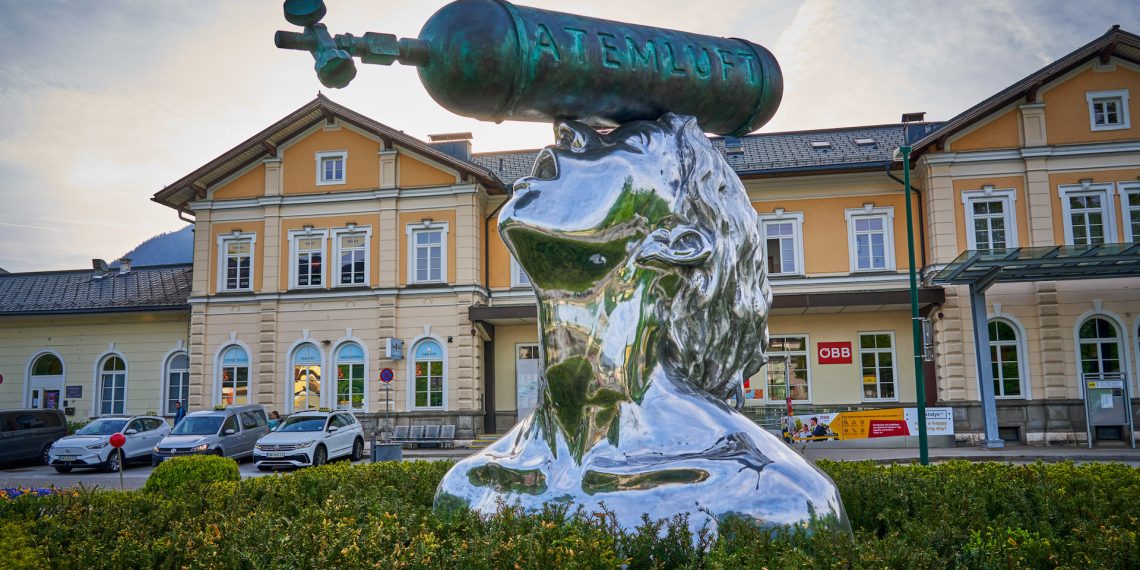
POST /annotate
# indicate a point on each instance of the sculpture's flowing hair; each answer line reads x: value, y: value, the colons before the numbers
x: 718, y: 319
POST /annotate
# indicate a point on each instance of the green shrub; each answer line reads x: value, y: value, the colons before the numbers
x: 173, y: 475
x: 954, y: 515
x: 76, y: 425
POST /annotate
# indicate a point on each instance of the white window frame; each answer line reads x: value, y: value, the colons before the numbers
x: 411, y: 389
x: 797, y: 221
x: 291, y: 382
x: 411, y: 231
x: 807, y: 368
x: 294, y: 276
x: 320, y: 158
x: 1022, y: 362
x: 223, y: 240
x: 167, y: 370
x: 1128, y: 215
x: 337, y: 233
x: 894, y: 365
x: 97, y: 401
x: 519, y: 278
x: 870, y: 211
x: 1008, y: 198
x: 1108, y: 214
x: 334, y: 369
x: 218, y: 373
x: 1120, y: 94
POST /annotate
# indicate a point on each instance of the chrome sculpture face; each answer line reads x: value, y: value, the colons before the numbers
x: 644, y: 252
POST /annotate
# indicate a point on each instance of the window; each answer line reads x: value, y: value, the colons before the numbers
x: 1108, y: 110
x: 177, y: 382
x: 428, y: 372
x: 248, y: 420
x: 519, y: 278
x: 783, y: 242
x: 871, y: 238
x: 1005, y: 356
x: 1130, y: 199
x: 235, y: 259
x: 1099, y: 347
x: 331, y: 167
x: 308, y: 258
x: 427, y: 252
x: 990, y: 219
x: 1088, y: 215
x: 306, y: 378
x: 45, y: 386
x: 47, y: 365
x: 231, y: 425
x: 877, y: 358
x: 789, y: 356
x: 351, y: 254
x: 112, y: 395
x: 235, y: 376
x: 350, y: 377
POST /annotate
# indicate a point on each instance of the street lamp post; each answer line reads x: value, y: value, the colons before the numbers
x: 915, y: 319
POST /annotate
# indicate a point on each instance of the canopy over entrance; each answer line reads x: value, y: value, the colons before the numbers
x: 982, y: 268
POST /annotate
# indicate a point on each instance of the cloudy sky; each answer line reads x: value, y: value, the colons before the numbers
x: 103, y: 103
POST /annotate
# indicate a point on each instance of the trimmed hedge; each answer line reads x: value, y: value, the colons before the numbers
x: 958, y: 515
x: 184, y: 474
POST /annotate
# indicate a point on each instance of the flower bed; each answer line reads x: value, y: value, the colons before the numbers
x: 958, y: 514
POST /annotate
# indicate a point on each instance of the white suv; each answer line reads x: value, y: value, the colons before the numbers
x: 310, y: 438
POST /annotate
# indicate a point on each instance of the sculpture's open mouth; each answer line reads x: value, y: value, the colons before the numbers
x: 545, y: 166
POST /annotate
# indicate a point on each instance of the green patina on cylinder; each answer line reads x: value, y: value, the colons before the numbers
x: 492, y: 60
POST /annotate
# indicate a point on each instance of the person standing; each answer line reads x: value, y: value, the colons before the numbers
x: 179, y: 412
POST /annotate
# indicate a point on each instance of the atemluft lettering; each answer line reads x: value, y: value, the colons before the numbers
x: 655, y: 55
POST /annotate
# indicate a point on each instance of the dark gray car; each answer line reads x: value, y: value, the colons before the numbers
x: 231, y: 432
x: 28, y: 434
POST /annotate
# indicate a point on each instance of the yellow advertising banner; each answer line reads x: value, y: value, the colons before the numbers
x: 861, y: 425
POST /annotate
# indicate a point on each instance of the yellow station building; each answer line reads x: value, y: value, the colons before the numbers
x: 330, y: 247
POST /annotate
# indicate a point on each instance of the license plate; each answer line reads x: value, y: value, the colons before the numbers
x: 274, y: 454
x: 167, y: 458
x: 68, y: 457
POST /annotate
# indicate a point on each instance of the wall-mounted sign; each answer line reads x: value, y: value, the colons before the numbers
x: 386, y: 375
x: 834, y: 352
x: 393, y: 348
x: 74, y: 392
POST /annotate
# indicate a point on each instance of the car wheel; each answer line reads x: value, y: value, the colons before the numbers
x: 113, y: 462
x: 61, y: 469
x: 219, y: 452
x: 357, y: 449
x: 44, y: 454
x: 320, y: 456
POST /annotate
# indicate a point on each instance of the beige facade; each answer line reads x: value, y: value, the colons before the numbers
x: 146, y: 342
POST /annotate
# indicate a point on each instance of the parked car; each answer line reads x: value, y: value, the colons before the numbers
x: 230, y: 432
x: 28, y: 434
x: 91, y: 445
x: 310, y: 438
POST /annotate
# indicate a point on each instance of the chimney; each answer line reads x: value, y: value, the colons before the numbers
x: 454, y: 144
x: 124, y: 265
x: 99, y: 265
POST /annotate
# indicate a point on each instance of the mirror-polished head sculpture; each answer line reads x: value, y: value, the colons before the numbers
x: 645, y: 256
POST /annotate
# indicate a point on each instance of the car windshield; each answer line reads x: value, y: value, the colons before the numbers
x: 102, y: 427
x: 201, y: 425
x: 303, y: 424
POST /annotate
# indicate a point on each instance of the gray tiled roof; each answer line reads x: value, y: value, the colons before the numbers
x: 773, y: 153
x: 145, y: 288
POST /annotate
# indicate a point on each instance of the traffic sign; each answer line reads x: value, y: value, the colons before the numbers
x: 386, y: 375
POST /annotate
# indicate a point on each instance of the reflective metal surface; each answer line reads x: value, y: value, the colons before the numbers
x: 646, y: 258
x: 493, y: 60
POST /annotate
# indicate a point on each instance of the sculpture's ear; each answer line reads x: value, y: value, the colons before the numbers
x: 683, y: 246
x: 574, y: 136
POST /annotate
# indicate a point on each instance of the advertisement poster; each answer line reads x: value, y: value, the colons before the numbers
x: 864, y: 424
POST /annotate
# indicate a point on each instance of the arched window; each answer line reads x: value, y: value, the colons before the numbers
x: 177, y: 382
x: 1005, y: 355
x: 306, y: 378
x: 1099, y: 346
x: 112, y: 386
x: 46, y: 381
x: 235, y: 376
x: 350, y: 377
x: 428, y: 366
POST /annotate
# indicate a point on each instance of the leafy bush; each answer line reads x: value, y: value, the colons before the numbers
x: 173, y: 475
x: 954, y: 515
x: 76, y: 425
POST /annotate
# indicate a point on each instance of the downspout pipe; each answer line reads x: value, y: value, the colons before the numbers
x: 921, y: 218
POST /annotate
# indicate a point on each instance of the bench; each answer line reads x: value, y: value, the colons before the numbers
x: 432, y: 435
